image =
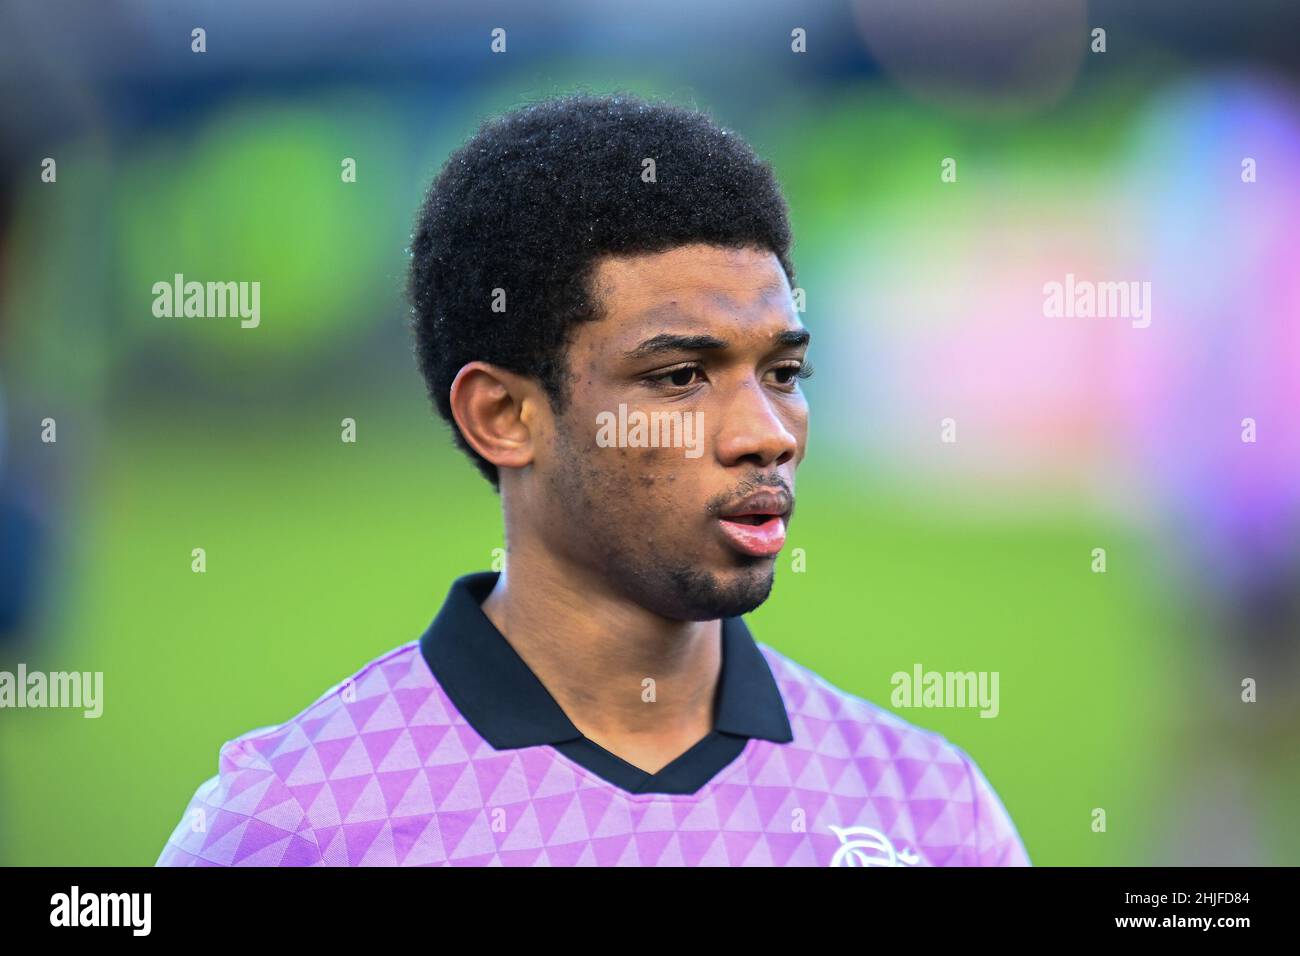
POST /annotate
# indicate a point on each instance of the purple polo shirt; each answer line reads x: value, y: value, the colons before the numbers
x: 449, y: 751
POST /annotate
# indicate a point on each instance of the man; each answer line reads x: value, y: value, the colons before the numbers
x: 603, y: 315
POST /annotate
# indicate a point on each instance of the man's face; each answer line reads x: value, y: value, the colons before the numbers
x: 701, y: 347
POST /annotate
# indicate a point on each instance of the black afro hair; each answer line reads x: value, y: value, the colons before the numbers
x: 538, y: 196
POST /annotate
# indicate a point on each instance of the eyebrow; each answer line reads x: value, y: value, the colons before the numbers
x: 667, y: 342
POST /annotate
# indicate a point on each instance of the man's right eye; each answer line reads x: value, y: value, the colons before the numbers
x: 682, y: 376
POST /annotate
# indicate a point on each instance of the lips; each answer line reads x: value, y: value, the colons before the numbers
x: 755, y: 526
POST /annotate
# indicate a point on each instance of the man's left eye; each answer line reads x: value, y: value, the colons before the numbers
x: 787, y: 374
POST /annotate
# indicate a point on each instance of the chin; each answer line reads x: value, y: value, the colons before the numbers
x: 697, y: 594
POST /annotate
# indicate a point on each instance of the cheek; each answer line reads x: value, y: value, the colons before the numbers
x: 667, y: 497
x: 796, y: 422
x: 646, y: 491
x: 653, y: 482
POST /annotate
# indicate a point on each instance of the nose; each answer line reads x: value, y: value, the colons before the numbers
x: 754, y: 431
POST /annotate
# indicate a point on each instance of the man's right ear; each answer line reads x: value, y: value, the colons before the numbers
x: 491, y: 407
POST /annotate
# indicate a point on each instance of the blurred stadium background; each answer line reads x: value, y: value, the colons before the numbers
x: 1118, y: 690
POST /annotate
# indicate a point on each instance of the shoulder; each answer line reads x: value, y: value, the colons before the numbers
x: 897, y: 759
x: 814, y: 702
x: 386, y: 694
x: 272, y: 802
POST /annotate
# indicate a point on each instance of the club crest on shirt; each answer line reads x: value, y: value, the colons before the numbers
x: 863, y: 846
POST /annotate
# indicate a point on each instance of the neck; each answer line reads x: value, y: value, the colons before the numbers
x: 594, y: 651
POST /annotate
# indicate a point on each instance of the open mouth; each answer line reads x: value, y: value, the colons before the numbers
x: 755, y: 525
x: 751, y: 519
x: 756, y: 535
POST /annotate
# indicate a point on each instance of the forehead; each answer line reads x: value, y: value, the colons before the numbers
x: 692, y: 288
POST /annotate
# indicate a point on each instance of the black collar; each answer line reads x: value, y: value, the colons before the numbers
x: 509, y: 707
